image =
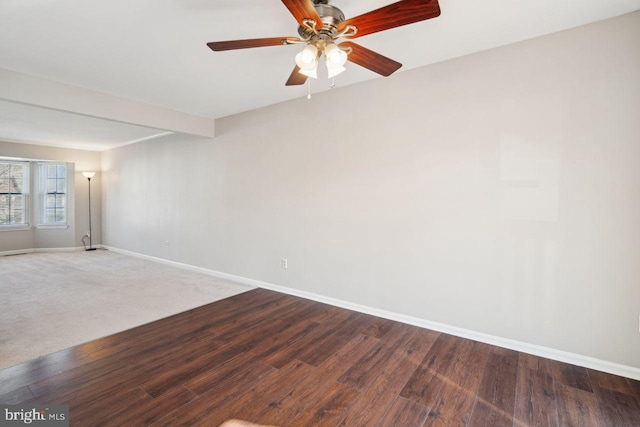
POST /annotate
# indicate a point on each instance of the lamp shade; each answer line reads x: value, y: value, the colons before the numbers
x: 89, y: 174
x: 307, y: 57
x: 335, y: 58
x: 334, y: 70
x: 307, y: 61
x: 313, y: 73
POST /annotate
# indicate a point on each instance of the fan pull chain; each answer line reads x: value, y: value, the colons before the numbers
x: 309, y: 89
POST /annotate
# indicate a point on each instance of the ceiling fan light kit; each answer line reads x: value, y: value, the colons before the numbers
x: 334, y: 58
x: 307, y: 61
x: 321, y: 25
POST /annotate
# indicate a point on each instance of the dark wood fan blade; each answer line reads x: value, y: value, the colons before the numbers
x: 244, y: 44
x: 303, y: 9
x: 369, y: 59
x: 394, y: 15
x: 296, y: 78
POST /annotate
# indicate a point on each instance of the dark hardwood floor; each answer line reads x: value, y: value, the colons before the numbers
x: 275, y: 359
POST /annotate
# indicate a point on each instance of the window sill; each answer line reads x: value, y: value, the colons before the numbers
x: 24, y: 227
x: 52, y: 226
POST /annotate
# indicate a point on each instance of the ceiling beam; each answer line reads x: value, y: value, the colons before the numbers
x: 30, y: 90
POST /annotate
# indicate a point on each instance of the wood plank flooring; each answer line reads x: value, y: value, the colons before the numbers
x: 275, y: 359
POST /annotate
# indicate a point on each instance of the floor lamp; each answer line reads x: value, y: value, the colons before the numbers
x: 89, y: 175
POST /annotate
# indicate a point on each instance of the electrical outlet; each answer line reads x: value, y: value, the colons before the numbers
x: 284, y: 263
x: 166, y: 243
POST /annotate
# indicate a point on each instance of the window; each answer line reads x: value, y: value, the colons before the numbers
x: 53, y: 189
x: 14, y: 193
x: 46, y: 199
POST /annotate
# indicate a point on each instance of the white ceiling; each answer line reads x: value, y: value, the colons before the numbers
x: 154, y: 51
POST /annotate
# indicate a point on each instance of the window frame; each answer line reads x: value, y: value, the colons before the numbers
x: 26, y: 193
x: 42, y: 191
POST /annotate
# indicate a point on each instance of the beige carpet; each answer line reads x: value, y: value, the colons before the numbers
x: 52, y: 301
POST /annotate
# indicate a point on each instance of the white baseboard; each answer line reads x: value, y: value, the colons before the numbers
x: 41, y: 250
x: 537, y: 350
x: 243, y: 280
x: 17, y: 252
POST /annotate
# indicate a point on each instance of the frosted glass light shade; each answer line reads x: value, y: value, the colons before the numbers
x: 313, y: 73
x: 89, y: 174
x: 307, y: 61
x: 334, y: 56
x: 334, y: 71
x: 307, y: 57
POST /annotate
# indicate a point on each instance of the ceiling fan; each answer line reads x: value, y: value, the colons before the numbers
x: 322, y: 24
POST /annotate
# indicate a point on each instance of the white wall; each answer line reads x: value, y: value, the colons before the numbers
x: 498, y: 192
x: 78, y: 219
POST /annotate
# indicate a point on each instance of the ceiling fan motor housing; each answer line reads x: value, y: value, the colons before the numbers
x: 331, y: 16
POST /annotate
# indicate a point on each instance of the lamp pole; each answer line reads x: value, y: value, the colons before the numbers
x: 90, y: 175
